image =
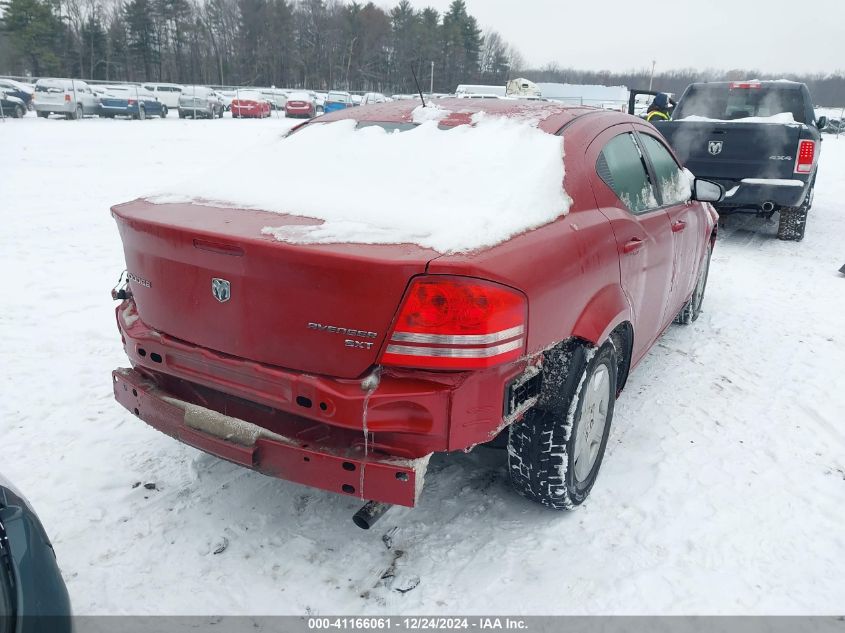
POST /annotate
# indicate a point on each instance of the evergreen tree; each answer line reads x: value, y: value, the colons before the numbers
x: 142, y: 40
x: 35, y: 32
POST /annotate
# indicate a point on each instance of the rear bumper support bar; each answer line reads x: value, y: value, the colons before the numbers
x: 293, y: 449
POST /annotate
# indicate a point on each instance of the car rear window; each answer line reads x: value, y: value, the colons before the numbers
x: 721, y: 101
x: 199, y: 92
x: 248, y: 95
x: 51, y: 86
x: 386, y: 125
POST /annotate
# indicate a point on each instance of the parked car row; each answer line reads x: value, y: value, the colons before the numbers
x: 75, y: 99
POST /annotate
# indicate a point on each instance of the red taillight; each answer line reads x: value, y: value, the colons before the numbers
x: 745, y: 84
x: 130, y: 101
x: 67, y: 97
x: 806, y: 157
x: 457, y: 323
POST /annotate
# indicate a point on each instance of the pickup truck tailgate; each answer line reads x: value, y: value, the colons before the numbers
x: 723, y: 150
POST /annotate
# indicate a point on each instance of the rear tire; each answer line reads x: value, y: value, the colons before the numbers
x: 163, y: 111
x: 556, y: 450
x: 43, y: 115
x: 142, y: 114
x: 692, y: 308
x: 792, y: 223
x: 18, y: 112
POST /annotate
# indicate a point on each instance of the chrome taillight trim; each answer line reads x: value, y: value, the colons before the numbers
x: 455, y: 352
x: 459, y: 339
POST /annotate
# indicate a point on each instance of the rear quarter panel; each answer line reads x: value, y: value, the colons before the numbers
x: 568, y: 269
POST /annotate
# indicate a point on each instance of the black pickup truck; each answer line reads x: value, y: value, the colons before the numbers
x: 759, y: 139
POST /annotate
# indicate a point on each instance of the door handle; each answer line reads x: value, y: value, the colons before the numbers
x: 678, y: 226
x: 632, y: 246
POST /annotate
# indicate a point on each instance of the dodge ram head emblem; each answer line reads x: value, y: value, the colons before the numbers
x: 221, y: 289
x: 714, y: 147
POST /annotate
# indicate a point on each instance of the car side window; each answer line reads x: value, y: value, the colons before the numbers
x: 672, y: 183
x: 620, y: 165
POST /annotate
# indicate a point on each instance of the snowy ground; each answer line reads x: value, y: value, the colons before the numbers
x: 723, y: 490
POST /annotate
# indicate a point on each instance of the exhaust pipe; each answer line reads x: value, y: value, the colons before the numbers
x: 367, y: 516
x: 768, y: 206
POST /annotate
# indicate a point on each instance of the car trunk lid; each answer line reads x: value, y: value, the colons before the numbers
x: 208, y: 276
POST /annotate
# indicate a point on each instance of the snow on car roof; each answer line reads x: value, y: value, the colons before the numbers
x: 453, y: 190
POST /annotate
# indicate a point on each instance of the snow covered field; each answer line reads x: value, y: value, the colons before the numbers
x: 723, y: 490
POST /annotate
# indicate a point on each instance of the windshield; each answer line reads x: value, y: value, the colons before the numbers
x: 720, y: 101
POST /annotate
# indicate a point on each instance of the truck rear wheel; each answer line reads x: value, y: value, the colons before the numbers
x: 793, y: 221
x: 555, y: 452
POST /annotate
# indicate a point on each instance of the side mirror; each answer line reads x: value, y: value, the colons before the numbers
x: 821, y: 122
x: 707, y: 191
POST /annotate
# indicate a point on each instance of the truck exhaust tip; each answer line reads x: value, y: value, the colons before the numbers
x: 367, y: 516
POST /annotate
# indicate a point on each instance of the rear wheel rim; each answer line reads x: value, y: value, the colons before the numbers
x: 591, y: 426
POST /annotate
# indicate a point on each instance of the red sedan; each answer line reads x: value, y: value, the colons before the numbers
x: 344, y: 366
x: 300, y: 105
x: 249, y: 104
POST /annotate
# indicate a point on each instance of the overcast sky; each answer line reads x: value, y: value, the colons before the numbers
x: 766, y: 35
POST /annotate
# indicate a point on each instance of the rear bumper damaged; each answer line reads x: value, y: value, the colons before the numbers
x: 368, y: 437
x: 276, y: 444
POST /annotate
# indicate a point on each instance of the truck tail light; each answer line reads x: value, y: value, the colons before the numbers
x: 130, y: 101
x: 67, y: 97
x: 806, y: 156
x: 745, y: 84
x: 457, y: 323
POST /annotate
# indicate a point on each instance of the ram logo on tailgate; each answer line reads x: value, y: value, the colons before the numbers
x: 221, y: 289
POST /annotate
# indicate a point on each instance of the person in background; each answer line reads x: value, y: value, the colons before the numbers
x: 659, y: 108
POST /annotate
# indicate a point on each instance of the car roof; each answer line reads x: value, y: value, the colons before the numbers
x: 549, y: 116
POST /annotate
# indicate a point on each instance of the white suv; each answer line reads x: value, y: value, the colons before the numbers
x: 168, y: 94
x: 70, y: 97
